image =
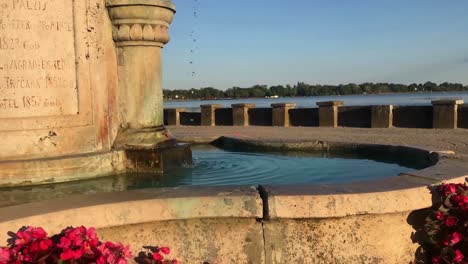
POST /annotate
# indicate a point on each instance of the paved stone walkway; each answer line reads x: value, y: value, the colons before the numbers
x: 435, y: 139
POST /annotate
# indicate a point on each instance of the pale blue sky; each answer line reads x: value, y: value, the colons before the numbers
x: 242, y: 43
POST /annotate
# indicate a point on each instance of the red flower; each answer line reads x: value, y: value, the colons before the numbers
x: 435, y: 260
x: 5, y: 255
x: 157, y: 256
x: 451, y: 221
x: 65, y: 243
x: 455, y: 238
x: 38, y: 233
x: 458, y: 256
x: 449, y: 189
x: 23, y: 237
x: 440, y: 215
x: 165, y: 250
x: 460, y: 200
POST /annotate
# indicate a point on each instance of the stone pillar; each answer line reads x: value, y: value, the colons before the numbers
x: 208, y: 114
x: 445, y: 113
x: 328, y: 113
x: 382, y: 116
x: 240, y: 114
x: 281, y: 114
x: 140, y: 30
x: 173, y: 116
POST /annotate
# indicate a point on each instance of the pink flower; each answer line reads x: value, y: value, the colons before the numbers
x: 157, y: 256
x: 23, y: 237
x: 165, y: 250
x: 435, y: 260
x: 455, y: 238
x: 460, y: 200
x: 5, y: 255
x: 65, y: 243
x: 69, y: 254
x: 45, y: 244
x: 458, y: 256
x: 451, y: 221
x: 92, y: 236
x: 113, y: 253
x: 449, y: 188
x: 440, y: 215
x: 38, y: 233
x: 126, y: 252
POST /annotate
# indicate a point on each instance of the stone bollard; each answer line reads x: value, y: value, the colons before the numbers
x: 281, y: 114
x: 328, y: 113
x: 173, y: 116
x: 240, y: 114
x: 382, y: 116
x: 445, y: 113
x: 208, y: 114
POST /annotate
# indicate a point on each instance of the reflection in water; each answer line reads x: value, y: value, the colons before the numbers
x: 213, y: 166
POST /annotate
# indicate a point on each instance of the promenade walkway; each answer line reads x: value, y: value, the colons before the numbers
x: 436, y: 139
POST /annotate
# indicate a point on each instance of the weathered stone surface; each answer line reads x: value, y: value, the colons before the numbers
x: 135, y: 207
x: 448, y: 102
x: 45, y: 55
x: 240, y: 114
x: 173, y: 116
x: 445, y: 113
x: 280, y: 114
x: 67, y: 93
x: 382, y: 116
x: 37, y: 59
x: 328, y: 113
x: 198, y: 240
x: 208, y: 114
x: 366, y: 239
x: 330, y: 103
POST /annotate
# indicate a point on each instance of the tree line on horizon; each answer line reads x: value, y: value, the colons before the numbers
x: 304, y: 89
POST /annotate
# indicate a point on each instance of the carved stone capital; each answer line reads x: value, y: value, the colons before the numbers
x: 141, y: 22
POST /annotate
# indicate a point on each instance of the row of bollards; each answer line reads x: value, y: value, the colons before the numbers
x: 445, y: 114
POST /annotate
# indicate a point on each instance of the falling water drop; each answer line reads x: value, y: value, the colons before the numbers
x: 193, y: 37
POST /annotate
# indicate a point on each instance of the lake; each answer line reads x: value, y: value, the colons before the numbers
x: 309, y: 102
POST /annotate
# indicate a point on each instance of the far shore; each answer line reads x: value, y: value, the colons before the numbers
x: 365, y: 94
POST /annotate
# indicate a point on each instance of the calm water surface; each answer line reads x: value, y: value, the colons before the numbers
x: 308, y: 102
x: 215, y: 167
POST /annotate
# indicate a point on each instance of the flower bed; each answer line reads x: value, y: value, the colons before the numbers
x: 447, y: 227
x: 79, y: 245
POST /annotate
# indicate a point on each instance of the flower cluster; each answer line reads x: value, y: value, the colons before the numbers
x: 447, y: 227
x: 155, y: 255
x: 29, y: 245
x: 72, y: 245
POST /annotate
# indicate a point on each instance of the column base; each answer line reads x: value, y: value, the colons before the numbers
x: 150, y: 150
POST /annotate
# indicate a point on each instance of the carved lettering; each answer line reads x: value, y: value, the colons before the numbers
x: 8, y: 43
x: 35, y: 64
x: 37, y: 58
x: 34, y: 5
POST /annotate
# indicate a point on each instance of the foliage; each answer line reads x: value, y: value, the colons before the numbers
x: 447, y: 227
x: 79, y: 245
x: 304, y: 89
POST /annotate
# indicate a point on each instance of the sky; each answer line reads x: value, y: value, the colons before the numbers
x: 226, y: 43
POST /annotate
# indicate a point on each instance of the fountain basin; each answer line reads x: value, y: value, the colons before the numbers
x: 359, y: 222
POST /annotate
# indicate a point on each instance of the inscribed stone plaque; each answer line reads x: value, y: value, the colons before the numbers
x: 37, y: 58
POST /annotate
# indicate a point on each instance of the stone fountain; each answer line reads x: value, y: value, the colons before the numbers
x: 80, y: 90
